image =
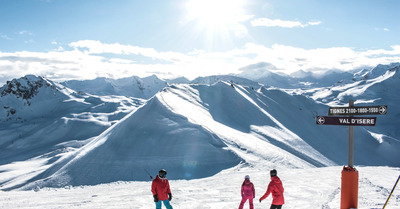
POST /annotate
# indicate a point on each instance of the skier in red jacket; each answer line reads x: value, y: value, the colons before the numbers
x: 247, y: 192
x: 161, y: 191
x: 275, y: 187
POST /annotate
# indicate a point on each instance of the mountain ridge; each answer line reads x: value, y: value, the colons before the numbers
x: 236, y: 120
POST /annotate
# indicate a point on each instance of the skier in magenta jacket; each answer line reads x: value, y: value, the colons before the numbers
x: 247, y: 192
x: 161, y: 191
x: 276, y: 189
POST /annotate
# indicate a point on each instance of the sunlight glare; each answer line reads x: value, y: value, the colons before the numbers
x: 214, y: 13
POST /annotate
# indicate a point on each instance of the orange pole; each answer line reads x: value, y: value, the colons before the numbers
x: 349, y: 190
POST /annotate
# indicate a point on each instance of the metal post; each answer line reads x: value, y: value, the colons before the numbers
x: 391, y: 192
x: 351, y: 140
x: 349, y: 187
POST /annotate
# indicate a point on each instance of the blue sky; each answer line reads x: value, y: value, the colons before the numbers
x: 84, y: 39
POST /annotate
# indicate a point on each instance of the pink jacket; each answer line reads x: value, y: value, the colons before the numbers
x: 276, y: 189
x: 248, y: 189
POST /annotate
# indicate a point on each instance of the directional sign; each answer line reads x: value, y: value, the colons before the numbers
x: 364, y: 110
x: 346, y: 121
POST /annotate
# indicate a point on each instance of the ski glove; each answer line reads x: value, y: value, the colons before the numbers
x: 155, y: 198
x: 169, y: 196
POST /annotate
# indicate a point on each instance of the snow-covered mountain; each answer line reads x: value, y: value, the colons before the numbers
x: 378, y: 86
x: 184, y: 128
x: 130, y: 87
x: 368, y: 86
x: 233, y: 80
x: 197, y: 130
x: 28, y: 97
x: 264, y: 74
x: 178, y: 80
x: 40, y: 118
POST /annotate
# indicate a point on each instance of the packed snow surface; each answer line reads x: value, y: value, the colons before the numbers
x: 304, y: 189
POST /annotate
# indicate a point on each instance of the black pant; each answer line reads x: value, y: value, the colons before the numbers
x: 275, y: 207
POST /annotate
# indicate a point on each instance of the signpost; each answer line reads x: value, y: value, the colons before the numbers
x: 349, y: 189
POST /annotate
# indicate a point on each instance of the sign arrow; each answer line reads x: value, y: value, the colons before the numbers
x: 361, y: 110
x: 346, y: 121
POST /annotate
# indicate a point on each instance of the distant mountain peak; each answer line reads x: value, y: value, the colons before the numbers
x: 129, y: 86
x: 211, y: 80
x: 26, y: 87
x: 301, y: 74
x: 178, y: 80
x: 380, y: 70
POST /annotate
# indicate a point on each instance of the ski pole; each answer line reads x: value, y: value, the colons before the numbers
x: 391, y: 192
x: 151, y: 177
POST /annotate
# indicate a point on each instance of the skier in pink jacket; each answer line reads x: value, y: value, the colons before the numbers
x: 247, y: 192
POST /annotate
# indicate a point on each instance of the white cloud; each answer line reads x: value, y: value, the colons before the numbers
x: 25, y: 32
x: 314, y: 23
x: 90, y: 59
x: 382, y: 29
x: 282, y: 23
x: 29, y: 41
x: 343, y: 58
x: 96, y: 47
x: 5, y: 37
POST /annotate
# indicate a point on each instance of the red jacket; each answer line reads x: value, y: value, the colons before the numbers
x: 275, y: 187
x: 160, y: 187
x: 248, y: 189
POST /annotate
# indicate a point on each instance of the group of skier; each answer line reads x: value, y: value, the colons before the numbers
x: 162, y: 192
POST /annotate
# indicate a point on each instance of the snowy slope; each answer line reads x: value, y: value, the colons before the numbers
x: 156, y: 136
x: 41, y: 119
x: 317, y: 188
x: 199, y: 130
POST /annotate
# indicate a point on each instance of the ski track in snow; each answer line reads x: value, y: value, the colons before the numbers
x: 237, y: 141
x: 304, y: 188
